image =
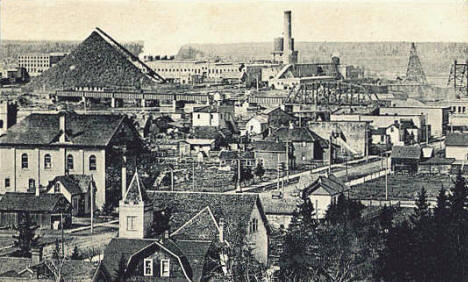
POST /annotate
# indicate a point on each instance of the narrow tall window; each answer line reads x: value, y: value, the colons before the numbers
x: 70, y: 162
x: 131, y: 224
x: 165, y: 268
x: 148, y: 267
x: 24, y: 160
x: 92, y: 162
x: 32, y: 183
x: 7, y: 182
x: 57, y: 188
x: 47, y: 161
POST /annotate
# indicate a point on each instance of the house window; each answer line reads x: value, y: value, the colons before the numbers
x: 382, y: 138
x: 253, y: 226
x: 198, y: 116
x: 92, y: 162
x: 7, y: 182
x: 57, y: 188
x: 165, y: 268
x: 70, y: 162
x: 1, y: 123
x: 131, y: 223
x: 148, y: 267
x: 47, y: 161
x: 24, y: 161
x: 32, y: 183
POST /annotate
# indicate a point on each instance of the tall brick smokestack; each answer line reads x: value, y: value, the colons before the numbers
x: 287, y: 31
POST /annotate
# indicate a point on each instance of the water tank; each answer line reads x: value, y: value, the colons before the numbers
x: 278, y: 44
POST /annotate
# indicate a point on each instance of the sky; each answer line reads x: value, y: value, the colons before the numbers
x: 164, y: 26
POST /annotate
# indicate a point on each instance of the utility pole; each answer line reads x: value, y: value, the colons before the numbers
x: 238, y: 176
x: 330, y: 155
x: 172, y: 179
x: 386, y: 177
x: 278, y: 177
x: 92, y: 204
x: 61, y: 224
x: 193, y: 175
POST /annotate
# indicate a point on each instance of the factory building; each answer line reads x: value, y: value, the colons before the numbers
x: 193, y: 72
x: 35, y: 64
x: 283, y: 47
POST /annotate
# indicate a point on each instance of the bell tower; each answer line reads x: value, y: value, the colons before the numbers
x: 135, y: 211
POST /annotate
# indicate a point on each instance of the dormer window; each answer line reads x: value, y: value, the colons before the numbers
x: 165, y: 268
x: 148, y: 267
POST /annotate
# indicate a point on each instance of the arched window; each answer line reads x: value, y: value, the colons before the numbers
x: 32, y: 183
x: 47, y: 161
x: 70, y: 162
x: 92, y: 162
x: 24, y: 160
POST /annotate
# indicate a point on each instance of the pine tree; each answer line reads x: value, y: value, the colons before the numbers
x: 298, y: 257
x: 259, y: 170
x: 421, y: 211
x: 386, y: 218
x: 26, y: 236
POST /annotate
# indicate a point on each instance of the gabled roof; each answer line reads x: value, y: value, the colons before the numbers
x: 136, y: 192
x: 379, y: 131
x: 438, y: 161
x: 74, y: 183
x: 269, y: 146
x: 456, y: 139
x: 98, y: 61
x: 44, y: 129
x: 406, y: 152
x: 233, y: 155
x: 29, y: 202
x: 324, y: 185
x: 202, y: 226
x: 10, y: 265
x: 190, y: 254
x: 234, y: 209
x: 297, y: 134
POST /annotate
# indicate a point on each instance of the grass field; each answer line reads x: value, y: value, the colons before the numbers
x: 402, y: 187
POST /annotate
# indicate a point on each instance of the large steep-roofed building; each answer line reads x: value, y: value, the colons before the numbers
x: 98, y: 62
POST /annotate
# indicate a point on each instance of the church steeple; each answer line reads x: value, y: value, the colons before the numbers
x: 135, y: 211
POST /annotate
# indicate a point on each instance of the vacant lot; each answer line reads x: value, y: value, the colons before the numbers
x: 402, y: 187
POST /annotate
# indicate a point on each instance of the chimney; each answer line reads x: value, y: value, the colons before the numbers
x: 221, y: 229
x: 62, y: 126
x: 36, y: 255
x: 287, y: 31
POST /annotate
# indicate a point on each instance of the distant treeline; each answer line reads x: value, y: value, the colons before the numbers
x: 391, y: 57
x: 10, y: 49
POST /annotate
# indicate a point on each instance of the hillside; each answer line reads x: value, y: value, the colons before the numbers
x: 381, y: 57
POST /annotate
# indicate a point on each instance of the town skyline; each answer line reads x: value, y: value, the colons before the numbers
x: 165, y: 26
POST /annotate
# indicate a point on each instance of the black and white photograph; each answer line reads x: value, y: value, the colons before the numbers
x: 233, y: 140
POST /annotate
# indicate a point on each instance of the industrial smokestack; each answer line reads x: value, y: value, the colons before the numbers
x: 287, y: 31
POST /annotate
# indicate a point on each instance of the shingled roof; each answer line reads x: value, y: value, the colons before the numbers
x: 297, y: 134
x: 234, y: 209
x: 136, y: 191
x: 324, y: 185
x: 29, y: 202
x: 74, y: 183
x: 456, y: 139
x: 406, y: 152
x: 82, y: 130
x: 98, y: 61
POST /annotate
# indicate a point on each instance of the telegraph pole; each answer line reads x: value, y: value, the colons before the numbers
x: 386, y: 176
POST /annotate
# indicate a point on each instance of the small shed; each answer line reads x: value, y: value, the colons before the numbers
x: 46, y: 210
x: 436, y: 166
x: 405, y: 158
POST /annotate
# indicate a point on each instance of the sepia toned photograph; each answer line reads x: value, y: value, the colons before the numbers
x: 233, y: 140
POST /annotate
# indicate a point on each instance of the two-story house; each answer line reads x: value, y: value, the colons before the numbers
x: 213, y: 115
x: 172, y: 236
x: 44, y: 146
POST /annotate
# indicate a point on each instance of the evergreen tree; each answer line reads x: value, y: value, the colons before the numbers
x: 76, y: 255
x: 386, y: 218
x: 458, y: 229
x: 26, y: 236
x: 298, y: 258
x: 259, y: 170
x: 421, y: 212
x: 121, y: 271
